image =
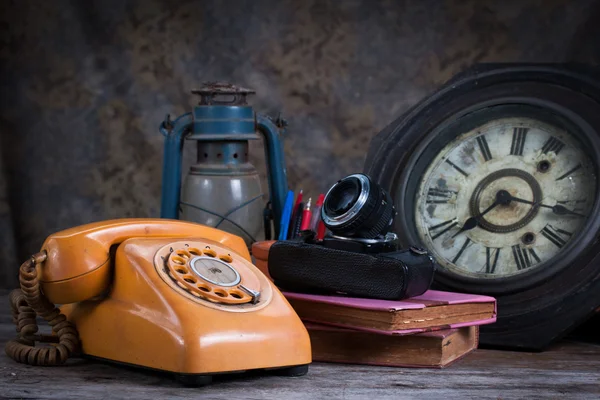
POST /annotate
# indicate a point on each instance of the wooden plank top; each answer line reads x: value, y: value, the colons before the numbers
x: 569, y: 369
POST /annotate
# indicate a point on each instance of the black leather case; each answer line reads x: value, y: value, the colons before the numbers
x: 298, y: 266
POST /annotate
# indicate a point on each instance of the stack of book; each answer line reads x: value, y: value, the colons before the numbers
x: 431, y: 330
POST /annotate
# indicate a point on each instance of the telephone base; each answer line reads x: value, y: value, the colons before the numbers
x: 196, y: 380
x: 298, y: 370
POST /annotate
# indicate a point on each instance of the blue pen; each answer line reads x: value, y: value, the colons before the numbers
x: 286, y: 215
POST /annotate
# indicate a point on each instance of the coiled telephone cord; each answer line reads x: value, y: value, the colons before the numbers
x: 28, y: 302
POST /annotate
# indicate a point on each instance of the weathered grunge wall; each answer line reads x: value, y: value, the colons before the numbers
x: 85, y: 85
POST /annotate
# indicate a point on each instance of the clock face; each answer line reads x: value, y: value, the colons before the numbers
x: 505, y: 198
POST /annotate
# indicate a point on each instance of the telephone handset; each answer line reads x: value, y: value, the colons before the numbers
x: 162, y: 294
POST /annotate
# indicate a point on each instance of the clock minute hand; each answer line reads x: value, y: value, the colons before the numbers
x: 557, y: 209
x: 561, y: 210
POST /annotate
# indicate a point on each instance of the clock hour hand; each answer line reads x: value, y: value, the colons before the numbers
x: 557, y: 209
x: 501, y: 198
x: 469, y: 224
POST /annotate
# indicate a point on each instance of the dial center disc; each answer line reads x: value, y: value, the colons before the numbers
x: 215, y: 271
x: 506, y: 216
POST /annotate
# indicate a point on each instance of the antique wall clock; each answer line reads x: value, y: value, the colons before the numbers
x: 497, y: 175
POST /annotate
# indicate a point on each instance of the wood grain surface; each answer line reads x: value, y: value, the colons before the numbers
x: 568, y: 370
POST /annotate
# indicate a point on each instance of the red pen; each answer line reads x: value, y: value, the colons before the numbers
x: 321, y: 230
x: 306, y: 216
x: 298, y: 200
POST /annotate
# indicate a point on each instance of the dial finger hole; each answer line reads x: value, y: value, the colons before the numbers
x: 210, y: 253
x: 236, y: 294
x: 194, y: 251
x: 182, y: 270
x: 183, y: 254
x: 221, y: 293
x: 189, y: 279
x: 204, y: 288
x: 226, y: 257
x: 178, y: 260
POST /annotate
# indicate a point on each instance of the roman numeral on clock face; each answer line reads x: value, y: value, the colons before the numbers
x: 534, y: 255
x: 518, y: 141
x: 438, y: 230
x: 462, y: 249
x: 521, y: 257
x: 484, y: 148
x: 569, y: 172
x: 439, y: 196
x: 552, y: 144
x: 556, y: 236
x: 456, y: 167
x: 491, y: 259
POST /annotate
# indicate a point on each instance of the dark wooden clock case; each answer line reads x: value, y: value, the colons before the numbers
x: 530, y: 317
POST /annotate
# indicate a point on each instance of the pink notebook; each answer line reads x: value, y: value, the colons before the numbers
x: 431, y: 298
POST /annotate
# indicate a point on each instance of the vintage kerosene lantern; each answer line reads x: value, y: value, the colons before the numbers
x: 223, y: 188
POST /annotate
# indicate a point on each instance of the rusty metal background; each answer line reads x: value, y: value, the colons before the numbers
x: 85, y: 85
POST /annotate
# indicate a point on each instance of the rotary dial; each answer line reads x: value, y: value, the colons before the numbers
x: 208, y: 272
x: 505, y: 198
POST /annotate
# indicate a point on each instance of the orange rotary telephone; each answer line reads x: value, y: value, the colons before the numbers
x: 162, y: 294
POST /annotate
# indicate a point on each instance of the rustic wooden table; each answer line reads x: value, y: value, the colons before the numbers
x: 567, y: 370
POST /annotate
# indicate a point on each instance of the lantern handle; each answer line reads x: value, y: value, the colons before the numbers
x: 272, y: 131
x: 174, y: 133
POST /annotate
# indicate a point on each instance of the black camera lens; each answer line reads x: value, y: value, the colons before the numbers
x: 342, y: 197
x: 358, y: 207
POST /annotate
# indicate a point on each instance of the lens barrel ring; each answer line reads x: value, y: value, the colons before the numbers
x: 369, y: 215
x: 386, y: 219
